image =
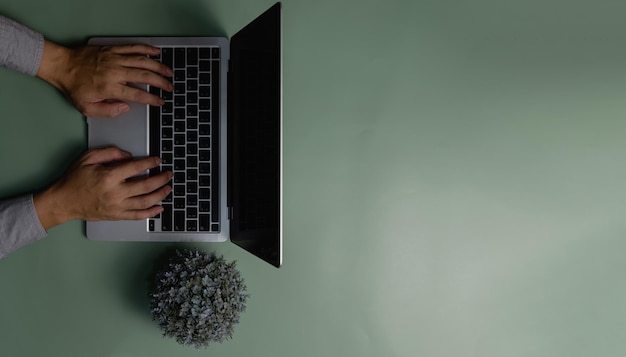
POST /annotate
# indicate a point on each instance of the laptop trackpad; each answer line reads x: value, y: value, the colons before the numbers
x: 128, y: 131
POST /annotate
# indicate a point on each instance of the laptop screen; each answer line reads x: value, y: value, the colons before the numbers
x: 255, y: 137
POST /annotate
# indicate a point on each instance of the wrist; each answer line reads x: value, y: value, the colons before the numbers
x: 50, y: 210
x: 54, y: 64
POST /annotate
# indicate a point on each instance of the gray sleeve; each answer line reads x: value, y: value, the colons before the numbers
x: 19, y: 224
x: 20, y: 47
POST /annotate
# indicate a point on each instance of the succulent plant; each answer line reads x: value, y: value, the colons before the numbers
x: 196, y: 297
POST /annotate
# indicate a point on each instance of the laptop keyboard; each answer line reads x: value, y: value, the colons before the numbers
x: 184, y: 132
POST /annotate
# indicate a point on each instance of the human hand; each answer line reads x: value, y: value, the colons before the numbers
x: 96, y: 79
x: 101, y: 185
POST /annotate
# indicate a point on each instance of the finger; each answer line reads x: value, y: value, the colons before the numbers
x: 105, y: 155
x: 140, y: 214
x: 143, y: 76
x: 147, y: 185
x: 148, y: 200
x: 131, y: 94
x: 107, y: 110
x: 135, y: 167
x: 143, y: 62
x: 135, y: 49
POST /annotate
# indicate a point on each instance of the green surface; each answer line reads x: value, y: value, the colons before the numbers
x: 454, y: 185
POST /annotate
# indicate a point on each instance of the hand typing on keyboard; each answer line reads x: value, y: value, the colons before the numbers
x: 95, y: 79
x: 102, y: 185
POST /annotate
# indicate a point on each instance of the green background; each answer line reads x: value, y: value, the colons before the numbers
x: 454, y: 182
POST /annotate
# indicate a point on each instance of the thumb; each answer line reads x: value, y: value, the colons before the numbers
x: 105, y: 109
x: 105, y: 155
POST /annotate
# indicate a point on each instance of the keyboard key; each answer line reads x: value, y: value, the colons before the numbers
x: 205, y: 66
x: 192, y: 72
x: 166, y: 218
x: 205, y: 53
x: 167, y: 56
x: 179, y: 190
x: 179, y: 58
x: 192, y: 56
x: 192, y: 149
x: 179, y: 177
x: 166, y: 120
x: 192, y: 187
x: 179, y: 113
x: 205, y: 142
x: 166, y: 95
x: 192, y: 174
x: 204, y: 206
x: 168, y: 198
x: 192, y: 200
x: 179, y: 139
x: 205, y: 104
x: 205, y: 129
x: 179, y: 203
x: 192, y: 212
x: 166, y: 108
x: 192, y: 110
x: 215, y: 52
x: 192, y: 225
x: 204, y: 181
x: 179, y: 125
x: 166, y: 133
x: 179, y: 100
x: 205, y: 91
x: 179, y: 220
x: 205, y: 193
x: 205, y: 168
x: 204, y: 221
x: 179, y: 88
x: 166, y: 158
x: 205, y: 155
x: 192, y: 85
x: 192, y: 135
x: 179, y: 75
x: 155, y: 90
x: 192, y: 98
x: 205, y: 78
x: 179, y: 164
x: 166, y: 145
x: 192, y: 161
x: 179, y: 151
x: 192, y: 123
x: 215, y: 227
x: 151, y: 225
x: 204, y: 116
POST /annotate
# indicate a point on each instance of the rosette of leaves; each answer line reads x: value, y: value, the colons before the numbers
x: 197, y: 297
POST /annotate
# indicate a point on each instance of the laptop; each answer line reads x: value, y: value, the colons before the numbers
x: 220, y: 132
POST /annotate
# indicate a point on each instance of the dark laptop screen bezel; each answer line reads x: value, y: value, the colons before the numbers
x: 255, y: 137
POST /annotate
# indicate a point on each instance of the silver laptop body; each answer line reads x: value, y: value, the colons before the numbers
x: 131, y: 132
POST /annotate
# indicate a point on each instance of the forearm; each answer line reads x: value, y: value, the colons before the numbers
x: 19, y: 224
x: 21, y: 48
